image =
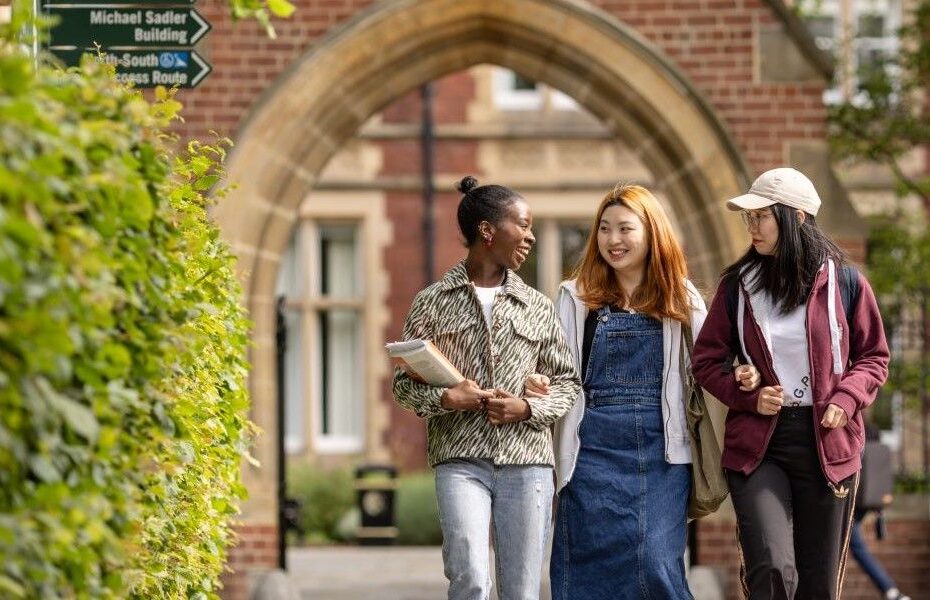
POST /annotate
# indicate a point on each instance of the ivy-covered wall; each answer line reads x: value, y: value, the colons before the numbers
x: 122, y: 344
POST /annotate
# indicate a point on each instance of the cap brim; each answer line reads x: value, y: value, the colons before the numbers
x: 749, y: 202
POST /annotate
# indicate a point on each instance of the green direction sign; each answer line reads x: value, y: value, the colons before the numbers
x: 126, y: 27
x: 148, y: 68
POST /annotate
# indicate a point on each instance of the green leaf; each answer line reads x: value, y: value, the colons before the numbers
x: 11, y: 587
x: 44, y: 469
x: 280, y: 8
x: 79, y: 418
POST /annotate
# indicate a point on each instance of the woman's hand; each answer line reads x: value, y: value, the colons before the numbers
x: 770, y: 400
x: 506, y: 408
x: 748, y: 377
x: 467, y: 395
x: 536, y: 386
x: 834, y: 417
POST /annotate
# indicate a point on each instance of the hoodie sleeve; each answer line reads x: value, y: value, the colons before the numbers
x: 868, y: 355
x: 711, y: 351
x: 425, y: 400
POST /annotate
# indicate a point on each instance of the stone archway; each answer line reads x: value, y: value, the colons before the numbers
x: 393, y: 47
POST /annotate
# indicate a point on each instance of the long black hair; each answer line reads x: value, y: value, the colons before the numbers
x: 481, y: 203
x: 788, y: 275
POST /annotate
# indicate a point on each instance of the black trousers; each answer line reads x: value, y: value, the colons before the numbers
x: 793, y: 527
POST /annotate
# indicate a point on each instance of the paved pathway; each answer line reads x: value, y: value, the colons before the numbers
x: 399, y: 573
x: 363, y: 573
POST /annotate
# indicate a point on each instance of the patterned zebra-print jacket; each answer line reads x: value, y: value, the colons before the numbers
x: 525, y: 338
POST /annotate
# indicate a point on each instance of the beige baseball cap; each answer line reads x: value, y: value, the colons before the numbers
x: 783, y: 185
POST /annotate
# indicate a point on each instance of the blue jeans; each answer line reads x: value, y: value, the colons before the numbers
x: 867, y: 560
x: 516, y: 500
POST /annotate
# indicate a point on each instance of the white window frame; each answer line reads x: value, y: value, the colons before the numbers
x: 366, y: 209
x: 331, y: 443
x: 889, y: 43
x: 292, y: 286
x: 507, y: 97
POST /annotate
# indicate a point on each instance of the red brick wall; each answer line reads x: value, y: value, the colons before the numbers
x: 246, y: 62
x: 905, y: 553
x: 710, y: 40
x: 256, y: 550
x: 451, y: 96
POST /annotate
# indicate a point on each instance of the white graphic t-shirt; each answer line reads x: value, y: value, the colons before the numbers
x: 788, y: 334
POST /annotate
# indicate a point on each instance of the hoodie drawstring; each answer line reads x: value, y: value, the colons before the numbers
x: 835, y: 331
x: 834, y: 325
x: 740, y: 311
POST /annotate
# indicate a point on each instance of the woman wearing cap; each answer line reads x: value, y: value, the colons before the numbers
x: 622, y: 460
x: 792, y: 447
x: 490, y: 444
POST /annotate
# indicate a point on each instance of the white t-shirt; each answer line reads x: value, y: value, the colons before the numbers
x: 788, y: 334
x: 486, y: 297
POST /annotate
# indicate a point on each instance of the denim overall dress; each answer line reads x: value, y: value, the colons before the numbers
x: 620, y: 532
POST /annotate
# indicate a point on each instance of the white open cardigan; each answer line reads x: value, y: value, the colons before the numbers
x: 572, y: 314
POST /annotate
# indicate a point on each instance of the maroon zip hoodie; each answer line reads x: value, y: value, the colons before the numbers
x: 866, y: 360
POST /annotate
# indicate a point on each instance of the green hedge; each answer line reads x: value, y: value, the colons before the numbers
x: 329, y: 511
x: 418, y: 511
x: 122, y: 344
x: 325, y: 497
x: 912, y: 483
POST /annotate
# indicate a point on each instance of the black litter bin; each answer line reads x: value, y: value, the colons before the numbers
x: 375, y: 486
x: 292, y: 519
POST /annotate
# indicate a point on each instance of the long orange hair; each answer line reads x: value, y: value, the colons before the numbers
x: 662, y: 292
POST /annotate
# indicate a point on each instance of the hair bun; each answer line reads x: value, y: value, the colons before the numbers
x: 467, y: 184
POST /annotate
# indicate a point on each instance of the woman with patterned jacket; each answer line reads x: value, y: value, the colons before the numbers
x: 622, y: 451
x: 792, y: 448
x: 490, y: 445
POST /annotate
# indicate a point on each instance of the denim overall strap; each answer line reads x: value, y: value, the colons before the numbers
x: 603, y: 315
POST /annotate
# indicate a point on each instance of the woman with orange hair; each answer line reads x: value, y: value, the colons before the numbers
x: 622, y: 454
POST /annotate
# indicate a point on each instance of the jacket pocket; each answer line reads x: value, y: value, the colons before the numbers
x: 450, y: 325
x: 525, y: 339
x: 841, y: 444
x: 744, y: 436
x: 457, y: 336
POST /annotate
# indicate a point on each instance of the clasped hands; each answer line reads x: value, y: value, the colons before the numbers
x: 772, y: 398
x: 501, y: 406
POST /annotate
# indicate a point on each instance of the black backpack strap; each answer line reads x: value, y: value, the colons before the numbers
x: 731, y: 296
x: 849, y: 293
x: 849, y: 290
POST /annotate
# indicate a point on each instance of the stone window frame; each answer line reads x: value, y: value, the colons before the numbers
x: 507, y: 97
x: 366, y: 211
x: 892, y: 13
